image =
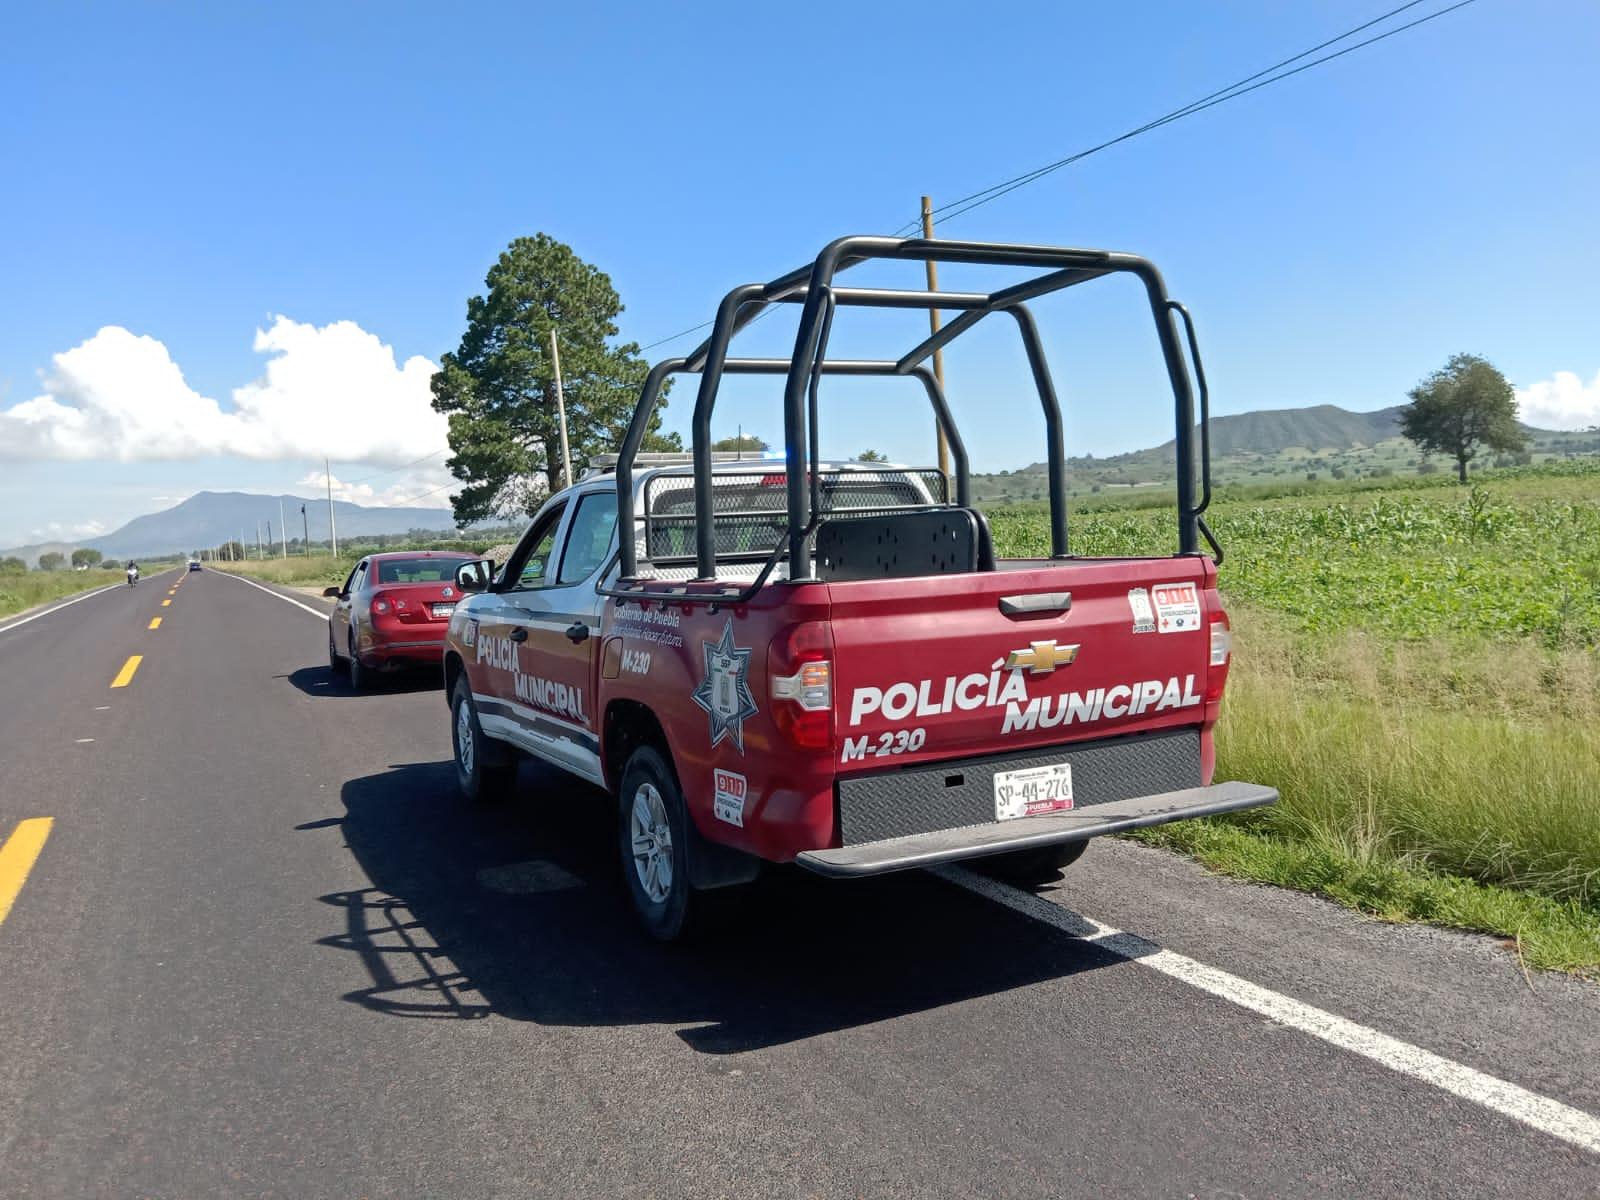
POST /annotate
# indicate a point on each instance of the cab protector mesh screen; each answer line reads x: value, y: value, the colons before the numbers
x: 750, y: 511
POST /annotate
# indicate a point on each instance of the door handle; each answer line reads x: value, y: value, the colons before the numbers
x: 519, y: 634
x: 578, y: 633
x: 1036, y: 602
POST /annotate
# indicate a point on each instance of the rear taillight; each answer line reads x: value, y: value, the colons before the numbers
x: 380, y: 605
x: 1221, y: 651
x: 800, y: 666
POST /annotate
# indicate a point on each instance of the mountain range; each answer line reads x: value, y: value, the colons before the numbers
x: 209, y: 519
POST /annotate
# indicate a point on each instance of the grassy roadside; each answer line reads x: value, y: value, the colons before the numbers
x: 315, y: 570
x: 1446, y: 781
x: 24, y: 590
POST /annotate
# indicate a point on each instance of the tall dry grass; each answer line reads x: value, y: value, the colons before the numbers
x: 1469, y: 757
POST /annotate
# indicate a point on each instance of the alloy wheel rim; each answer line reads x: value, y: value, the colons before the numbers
x: 652, y: 843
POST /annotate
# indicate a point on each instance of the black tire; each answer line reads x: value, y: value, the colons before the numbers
x: 360, y: 676
x: 1032, y: 866
x: 333, y: 651
x: 653, y: 837
x: 486, y: 770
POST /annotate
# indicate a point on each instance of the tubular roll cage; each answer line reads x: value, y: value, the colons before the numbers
x: 813, y: 287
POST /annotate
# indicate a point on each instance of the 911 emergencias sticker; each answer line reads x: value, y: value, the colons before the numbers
x: 1177, y: 607
x: 728, y: 802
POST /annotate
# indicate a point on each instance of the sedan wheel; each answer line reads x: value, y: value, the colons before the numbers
x: 360, y: 677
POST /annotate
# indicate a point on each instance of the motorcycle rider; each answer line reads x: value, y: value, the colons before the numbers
x: 133, y: 572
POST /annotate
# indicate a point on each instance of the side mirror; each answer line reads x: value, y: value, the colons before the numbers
x: 330, y: 593
x: 475, y: 576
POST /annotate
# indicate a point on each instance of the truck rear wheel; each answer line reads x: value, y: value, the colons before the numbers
x: 1032, y: 866
x: 653, y: 832
x: 485, y: 769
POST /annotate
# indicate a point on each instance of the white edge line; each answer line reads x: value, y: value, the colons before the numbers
x: 263, y: 587
x: 64, y: 604
x: 1549, y: 1116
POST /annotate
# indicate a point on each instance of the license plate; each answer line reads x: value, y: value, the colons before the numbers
x: 443, y: 610
x: 1032, y: 791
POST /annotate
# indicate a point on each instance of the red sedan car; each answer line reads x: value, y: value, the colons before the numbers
x: 392, y: 612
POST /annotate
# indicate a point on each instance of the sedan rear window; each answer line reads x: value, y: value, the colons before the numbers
x: 417, y: 570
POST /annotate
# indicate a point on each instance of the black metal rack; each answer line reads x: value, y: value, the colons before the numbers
x: 813, y: 287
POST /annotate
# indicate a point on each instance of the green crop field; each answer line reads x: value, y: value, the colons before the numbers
x: 1417, y: 669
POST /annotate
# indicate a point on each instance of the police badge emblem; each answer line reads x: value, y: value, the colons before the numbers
x: 725, y: 691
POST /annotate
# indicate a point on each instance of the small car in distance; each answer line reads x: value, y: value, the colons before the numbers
x: 392, y: 611
x: 194, y: 564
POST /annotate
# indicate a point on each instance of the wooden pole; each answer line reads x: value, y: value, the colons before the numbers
x: 561, y: 410
x: 933, y: 324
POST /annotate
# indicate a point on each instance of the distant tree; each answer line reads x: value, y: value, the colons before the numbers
x: 230, y: 551
x: 498, y: 388
x: 52, y: 560
x: 748, y: 442
x: 86, y: 558
x: 1460, y: 407
x: 12, y: 565
x: 871, y: 456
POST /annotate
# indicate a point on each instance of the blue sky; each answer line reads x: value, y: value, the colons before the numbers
x: 237, y: 238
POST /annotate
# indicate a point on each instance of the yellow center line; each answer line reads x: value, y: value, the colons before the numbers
x: 128, y: 668
x: 17, y: 858
x: 164, y: 603
x: 155, y: 622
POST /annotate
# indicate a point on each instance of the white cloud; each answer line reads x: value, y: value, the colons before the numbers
x: 1561, y: 403
x: 424, y: 487
x: 331, y: 391
x: 66, y: 531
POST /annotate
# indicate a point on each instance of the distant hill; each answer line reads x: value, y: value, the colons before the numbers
x: 1321, y: 442
x: 1270, y: 431
x: 209, y: 519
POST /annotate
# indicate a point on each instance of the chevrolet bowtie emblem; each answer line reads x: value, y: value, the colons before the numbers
x: 1041, y: 657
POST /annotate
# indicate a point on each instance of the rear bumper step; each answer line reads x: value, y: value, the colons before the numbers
x: 973, y: 841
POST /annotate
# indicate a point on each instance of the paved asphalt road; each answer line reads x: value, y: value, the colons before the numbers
x: 266, y: 951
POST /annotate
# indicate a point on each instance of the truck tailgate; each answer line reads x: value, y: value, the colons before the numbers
x: 1036, y: 655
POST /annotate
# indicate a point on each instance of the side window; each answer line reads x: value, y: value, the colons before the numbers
x: 589, y: 537
x: 357, y: 577
x: 531, y: 563
x: 349, y: 584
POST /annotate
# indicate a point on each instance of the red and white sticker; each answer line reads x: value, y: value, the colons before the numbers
x: 729, y: 800
x: 1177, y: 607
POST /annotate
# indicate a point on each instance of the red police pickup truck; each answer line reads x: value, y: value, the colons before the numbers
x: 825, y: 663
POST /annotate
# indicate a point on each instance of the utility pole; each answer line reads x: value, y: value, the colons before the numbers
x: 260, y: 553
x: 283, y: 531
x: 561, y: 410
x: 305, y: 532
x: 333, y: 532
x: 933, y: 322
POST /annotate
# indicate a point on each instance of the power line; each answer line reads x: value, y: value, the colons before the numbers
x: 1232, y: 92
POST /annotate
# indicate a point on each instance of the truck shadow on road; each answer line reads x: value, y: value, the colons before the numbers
x: 519, y: 911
